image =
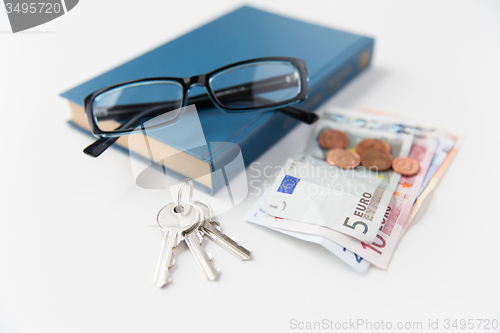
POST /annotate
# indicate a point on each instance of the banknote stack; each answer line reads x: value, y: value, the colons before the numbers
x: 358, y: 185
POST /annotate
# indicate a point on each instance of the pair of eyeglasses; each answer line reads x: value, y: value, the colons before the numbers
x: 262, y: 84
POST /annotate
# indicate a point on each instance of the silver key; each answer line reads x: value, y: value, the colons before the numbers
x: 199, y: 253
x: 174, y: 225
x: 211, y: 229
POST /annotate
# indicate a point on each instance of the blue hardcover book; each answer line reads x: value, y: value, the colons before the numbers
x: 332, y: 58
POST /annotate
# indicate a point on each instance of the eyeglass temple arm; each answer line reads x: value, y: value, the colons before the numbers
x: 296, y: 113
x: 299, y: 114
x: 99, y: 146
x: 201, y: 102
x: 103, y: 143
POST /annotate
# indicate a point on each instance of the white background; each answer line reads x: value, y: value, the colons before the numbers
x: 77, y: 244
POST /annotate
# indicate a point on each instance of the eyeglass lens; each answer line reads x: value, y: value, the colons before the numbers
x: 137, y: 103
x: 258, y: 84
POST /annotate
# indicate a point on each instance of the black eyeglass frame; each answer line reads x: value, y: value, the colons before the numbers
x: 204, y: 80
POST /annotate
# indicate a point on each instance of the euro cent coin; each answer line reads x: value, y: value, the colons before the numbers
x: 406, y: 166
x: 331, y: 139
x: 342, y: 158
x: 369, y: 144
x: 376, y: 160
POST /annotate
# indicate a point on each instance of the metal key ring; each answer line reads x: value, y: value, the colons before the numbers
x: 179, y: 193
x: 211, y: 212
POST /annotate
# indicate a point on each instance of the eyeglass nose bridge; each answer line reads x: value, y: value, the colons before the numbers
x: 198, y: 81
x: 194, y: 81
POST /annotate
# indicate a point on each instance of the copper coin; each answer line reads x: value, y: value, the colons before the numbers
x: 377, y: 160
x: 369, y: 144
x: 342, y: 158
x: 406, y: 166
x: 330, y: 139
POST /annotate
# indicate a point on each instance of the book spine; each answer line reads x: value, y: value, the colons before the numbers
x: 262, y: 135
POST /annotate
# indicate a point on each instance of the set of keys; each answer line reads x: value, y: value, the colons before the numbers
x: 190, y: 222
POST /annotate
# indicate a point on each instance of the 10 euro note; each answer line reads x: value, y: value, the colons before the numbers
x: 406, y: 201
x: 437, y: 145
x: 381, y: 250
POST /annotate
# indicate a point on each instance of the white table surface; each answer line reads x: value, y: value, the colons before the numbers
x: 77, y: 246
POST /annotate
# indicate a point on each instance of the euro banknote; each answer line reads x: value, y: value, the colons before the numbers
x: 379, y: 251
x: 431, y: 148
x: 257, y: 216
x: 352, y: 201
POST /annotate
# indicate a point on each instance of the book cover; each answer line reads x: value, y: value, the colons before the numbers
x: 332, y: 58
